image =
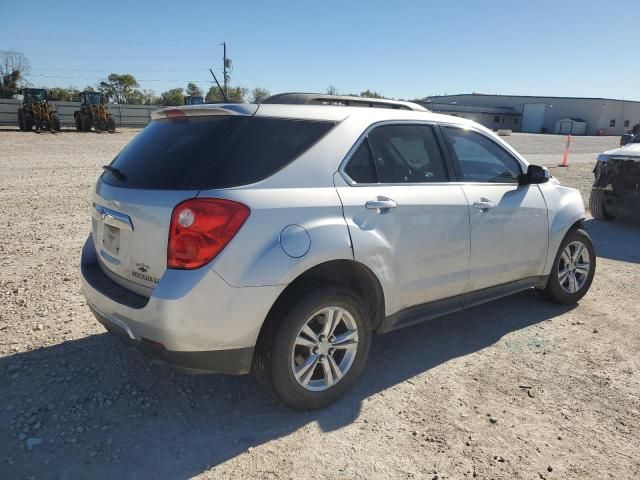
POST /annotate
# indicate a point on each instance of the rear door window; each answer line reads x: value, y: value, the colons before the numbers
x: 407, y: 154
x: 212, y: 151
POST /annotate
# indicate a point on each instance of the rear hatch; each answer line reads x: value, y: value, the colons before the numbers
x: 134, y: 197
x: 181, y: 152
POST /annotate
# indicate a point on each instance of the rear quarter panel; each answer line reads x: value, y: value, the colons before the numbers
x: 255, y: 257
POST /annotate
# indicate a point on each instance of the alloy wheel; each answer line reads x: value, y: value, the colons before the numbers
x: 325, y: 348
x: 573, y: 267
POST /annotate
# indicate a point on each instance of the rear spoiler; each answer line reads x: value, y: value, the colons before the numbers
x: 242, y: 109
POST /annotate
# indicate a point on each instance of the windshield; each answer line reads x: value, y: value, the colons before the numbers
x: 92, y: 98
x: 35, y: 96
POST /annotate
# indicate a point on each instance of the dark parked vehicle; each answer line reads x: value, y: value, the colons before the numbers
x: 616, y: 189
x: 190, y: 100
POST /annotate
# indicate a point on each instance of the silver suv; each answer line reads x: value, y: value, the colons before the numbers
x: 276, y: 238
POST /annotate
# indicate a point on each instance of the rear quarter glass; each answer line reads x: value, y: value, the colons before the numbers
x: 167, y: 153
x: 212, y: 152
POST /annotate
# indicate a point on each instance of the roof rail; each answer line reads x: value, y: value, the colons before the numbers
x: 340, y: 100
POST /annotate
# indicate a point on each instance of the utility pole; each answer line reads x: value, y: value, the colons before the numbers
x: 226, y: 63
x: 622, y: 121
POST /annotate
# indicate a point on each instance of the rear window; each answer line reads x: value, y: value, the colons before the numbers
x: 212, y: 152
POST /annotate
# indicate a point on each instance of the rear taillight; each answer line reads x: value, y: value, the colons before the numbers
x: 201, y: 228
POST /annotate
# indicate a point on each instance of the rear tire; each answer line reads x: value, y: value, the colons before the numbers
x: 111, y: 124
x: 573, y: 269
x: 20, y: 122
x: 55, y: 122
x: 78, y: 122
x: 333, y: 360
x: 597, y: 205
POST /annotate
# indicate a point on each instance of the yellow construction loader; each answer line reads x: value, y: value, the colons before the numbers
x: 93, y: 113
x: 35, y: 111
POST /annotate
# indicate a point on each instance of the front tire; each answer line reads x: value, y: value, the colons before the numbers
x: 111, y: 124
x: 318, y: 350
x: 573, y: 269
x: 27, y: 122
x: 598, y: 206
x: 86, y: 123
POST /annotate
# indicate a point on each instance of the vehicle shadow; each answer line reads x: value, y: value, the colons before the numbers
x: 617, y: 240
x: 107, y: 412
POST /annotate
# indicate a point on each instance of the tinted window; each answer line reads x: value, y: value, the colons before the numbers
x: 407, y: 154
x: 481, y: 159
x: 212, y: 152
x: 361, y: 168
x: 262, y: 147
x: 166, y: 153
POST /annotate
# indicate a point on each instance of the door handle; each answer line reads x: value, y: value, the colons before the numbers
x: 483, y: 204
x: 381, y: 203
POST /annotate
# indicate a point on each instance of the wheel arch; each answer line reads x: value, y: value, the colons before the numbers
x: 558, y: 231
x: 566, y: 211
x: 347, y: 273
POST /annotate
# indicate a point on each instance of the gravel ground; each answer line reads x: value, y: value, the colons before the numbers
x: 516, y: 389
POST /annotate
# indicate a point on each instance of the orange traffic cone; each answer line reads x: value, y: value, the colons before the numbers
x: 565, y: 157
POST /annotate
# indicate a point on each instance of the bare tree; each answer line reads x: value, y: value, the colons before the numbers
x: 13, y: 67
x: 331, y: 90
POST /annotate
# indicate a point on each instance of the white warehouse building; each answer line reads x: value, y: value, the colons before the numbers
x: 521, y: 113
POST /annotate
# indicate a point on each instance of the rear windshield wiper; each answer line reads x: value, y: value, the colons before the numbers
x: 115, y: 172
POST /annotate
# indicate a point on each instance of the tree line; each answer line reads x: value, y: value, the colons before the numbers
x: 125, y: 89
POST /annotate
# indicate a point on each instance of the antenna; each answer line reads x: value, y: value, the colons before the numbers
x: 224, y: 94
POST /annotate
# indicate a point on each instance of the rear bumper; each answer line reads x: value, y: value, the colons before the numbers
x: 193, y: 320
x: 233, y: 361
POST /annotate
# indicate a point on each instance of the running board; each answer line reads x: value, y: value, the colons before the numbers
x: 429, y: 311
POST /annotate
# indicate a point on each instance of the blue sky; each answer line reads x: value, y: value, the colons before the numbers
x: 402, y: 49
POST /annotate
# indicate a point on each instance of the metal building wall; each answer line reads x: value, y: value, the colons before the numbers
x: 615, y: 111
x: 598, y: 113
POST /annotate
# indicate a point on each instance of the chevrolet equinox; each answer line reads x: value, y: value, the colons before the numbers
x: 276, y: 238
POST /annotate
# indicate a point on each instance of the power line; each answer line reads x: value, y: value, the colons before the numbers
x: 101, y: 57
x: 104, y: 77
x: 75, y: 40
x: 134, y: 69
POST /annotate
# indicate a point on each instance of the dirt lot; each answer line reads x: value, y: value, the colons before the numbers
x: 516, y: 389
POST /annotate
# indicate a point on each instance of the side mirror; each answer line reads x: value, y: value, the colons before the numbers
x: 535, y: 174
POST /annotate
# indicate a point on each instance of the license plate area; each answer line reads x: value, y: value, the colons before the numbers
x: 111, y: 239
